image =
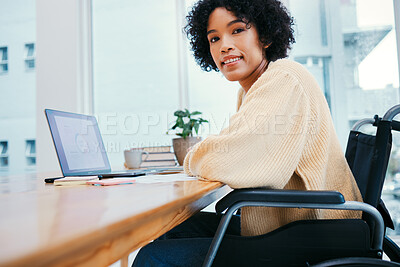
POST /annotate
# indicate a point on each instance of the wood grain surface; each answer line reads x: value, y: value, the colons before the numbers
x: 45, y: 225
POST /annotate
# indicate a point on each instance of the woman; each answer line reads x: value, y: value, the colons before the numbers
x: 282, y: 135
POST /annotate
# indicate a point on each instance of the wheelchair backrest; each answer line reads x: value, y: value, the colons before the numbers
x: 368, y: 158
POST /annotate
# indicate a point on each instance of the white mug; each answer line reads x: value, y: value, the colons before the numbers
x: 133, y: 157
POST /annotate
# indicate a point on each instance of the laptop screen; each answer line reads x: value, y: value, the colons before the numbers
x: 78, y: 143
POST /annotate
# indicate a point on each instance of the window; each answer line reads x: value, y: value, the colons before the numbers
x: 30, y: 56
x: 136, y: 90
x: 30, y: 152
x: 319, y: 67
x: 3, y: 59
x: 3, y: 154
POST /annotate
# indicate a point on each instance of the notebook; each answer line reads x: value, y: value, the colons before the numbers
x: 79, y: 146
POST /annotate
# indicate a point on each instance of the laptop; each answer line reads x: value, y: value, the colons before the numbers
x: 79, y: 146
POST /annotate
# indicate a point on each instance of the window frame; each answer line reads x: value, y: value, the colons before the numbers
x: 4, y: 155
x: 30, y: 157
x: 3, y: 62
x: 28, y: 59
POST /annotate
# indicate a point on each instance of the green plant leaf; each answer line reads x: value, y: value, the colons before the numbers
x: 187, y: 128
x: 195, y: 113
x: 174, y: 127
x: 187, y: 112
x: 179, y: 122
x: 179, y: 113
x: 196, y: 127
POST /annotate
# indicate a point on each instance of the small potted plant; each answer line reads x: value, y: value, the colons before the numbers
x: 185, y: 123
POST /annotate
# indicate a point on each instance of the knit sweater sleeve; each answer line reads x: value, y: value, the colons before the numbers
x: 263, y: 143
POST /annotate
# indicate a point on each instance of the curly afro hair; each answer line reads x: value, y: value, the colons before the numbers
x: 270, y: 17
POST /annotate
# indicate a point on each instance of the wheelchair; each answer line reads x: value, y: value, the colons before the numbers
x: 337, y: 242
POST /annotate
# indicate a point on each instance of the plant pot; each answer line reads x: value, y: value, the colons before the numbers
x: 181, y: 146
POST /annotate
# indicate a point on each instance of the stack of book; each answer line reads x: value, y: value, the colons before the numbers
x: 159, y: 156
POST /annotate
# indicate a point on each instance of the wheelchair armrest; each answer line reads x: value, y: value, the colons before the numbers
x: 279, y: 196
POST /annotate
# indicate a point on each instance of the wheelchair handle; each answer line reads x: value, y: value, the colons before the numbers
x: 362, y: 122
x: 391, y: 113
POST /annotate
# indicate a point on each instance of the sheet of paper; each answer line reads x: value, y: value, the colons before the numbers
x: 163, y: 178
x: 114, y: 181
x: 74, y: 180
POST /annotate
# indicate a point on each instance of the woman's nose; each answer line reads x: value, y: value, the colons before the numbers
x: 227, y: 45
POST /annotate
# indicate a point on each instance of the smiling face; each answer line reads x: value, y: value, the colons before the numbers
x: 235, y: 47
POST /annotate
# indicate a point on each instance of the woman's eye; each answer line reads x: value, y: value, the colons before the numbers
x: 214, y: 39
x: 239, y: 30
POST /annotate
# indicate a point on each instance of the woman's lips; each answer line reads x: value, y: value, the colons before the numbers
x: 231, y: 61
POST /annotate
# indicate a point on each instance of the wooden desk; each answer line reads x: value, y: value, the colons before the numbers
x: 44, y: 225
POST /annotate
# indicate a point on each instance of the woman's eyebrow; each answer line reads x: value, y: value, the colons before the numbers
x: 229, y: 24
x: 235, y: 21
x: 210, y: 31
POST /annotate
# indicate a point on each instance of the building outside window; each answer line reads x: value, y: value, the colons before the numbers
x: 319, y: 66
x: 18, y: 86
x: 3, y: 59
x: 30, y: 152
x: 30, y: 56
x: 3, y: 154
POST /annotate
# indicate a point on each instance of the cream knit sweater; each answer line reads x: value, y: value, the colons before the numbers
x: 281, y: 137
